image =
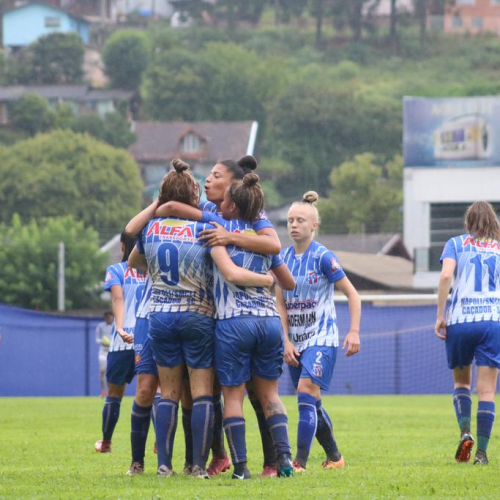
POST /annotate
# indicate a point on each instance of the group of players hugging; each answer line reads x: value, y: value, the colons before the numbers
x: 207, y: 307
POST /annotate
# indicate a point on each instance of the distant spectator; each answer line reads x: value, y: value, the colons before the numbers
x: 103, y: 338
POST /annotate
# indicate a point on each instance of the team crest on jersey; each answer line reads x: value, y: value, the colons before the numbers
x: 312, y: 278
x: 317, y: 370
x: 137, y: 359
x: 178, y: 229
x: 335, y: 264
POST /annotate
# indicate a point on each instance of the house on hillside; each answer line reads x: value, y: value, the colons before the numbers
x: 472, y: 16
x: 24, y: 24
x: 201, y: 144
x: 82, y: 99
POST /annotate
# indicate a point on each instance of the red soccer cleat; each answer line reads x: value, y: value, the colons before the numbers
x: 218, y: 465
x: 269, y: 471
x: 103, y: 446
x: 331, y: 464
x: 464, y: 448
x: 298, y: 468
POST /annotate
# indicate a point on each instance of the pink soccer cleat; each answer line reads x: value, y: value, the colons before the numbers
x: 218, y: 465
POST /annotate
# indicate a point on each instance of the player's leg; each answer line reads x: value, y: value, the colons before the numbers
x: 460, y: 346
x: 102, y: 374
x: 233, y: 347
x: 187, y: 413
x: 202, y: 421
x: 119, y: 372
x: 220, y: 461
x: 267, y: 366
x: 488, y: 362
x: 147, y: 383
x: 269, y: 467
x: 198, y: 350
x: 487, y: 377
x: 167, y: 352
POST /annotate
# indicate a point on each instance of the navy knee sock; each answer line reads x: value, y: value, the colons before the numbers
x: 156, y: 400
x: 110, y: 416
x: 324, y: 432
x: 265, y: 435
x: 463, y: 408
x: 202, y: 423
x: 308, y: 422
x: 218, y: 449
x: 235, y: 434
x: 166, y: 425
x: 485, y: 419
x: 278, y: 427
x: 188, y: 435
x: 140, y: 420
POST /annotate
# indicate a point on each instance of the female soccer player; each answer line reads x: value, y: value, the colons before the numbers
x: 181, y: 316
x: 311, y: 334
x: 249, y: 336
x: 471, y: 329
x: 126, y: 287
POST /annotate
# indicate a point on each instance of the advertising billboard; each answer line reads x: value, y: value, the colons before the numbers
x: 451, y: 132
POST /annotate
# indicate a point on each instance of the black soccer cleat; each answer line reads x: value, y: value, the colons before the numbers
x: 481, y: 458
x: 464, y: 448
x: 245, y: 475
x: 284, y: 465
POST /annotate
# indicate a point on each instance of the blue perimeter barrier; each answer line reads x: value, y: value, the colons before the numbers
x: 51, y: 355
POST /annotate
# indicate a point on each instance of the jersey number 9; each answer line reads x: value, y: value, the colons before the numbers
x: 168, y: 261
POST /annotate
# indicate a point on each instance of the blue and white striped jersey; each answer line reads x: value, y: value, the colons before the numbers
x: 476, y: 290
x: 132, y: 282
x: 312, y: 318
x: 143, y: 307
x: 232, y: 300
x: 179, y: 265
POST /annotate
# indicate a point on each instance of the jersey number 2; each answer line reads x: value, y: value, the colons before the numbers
x: 168, y: 261
x: 490, y: 263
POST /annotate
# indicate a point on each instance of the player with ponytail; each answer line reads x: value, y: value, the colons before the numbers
x: 311, y: 334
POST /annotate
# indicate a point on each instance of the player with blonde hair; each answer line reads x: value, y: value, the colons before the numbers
x: 311, y: 333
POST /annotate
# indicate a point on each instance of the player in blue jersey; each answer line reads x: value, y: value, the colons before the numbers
x: 181, y: 316
x: 311, y: 333
x: 126, y: 286
x: 471, y: 327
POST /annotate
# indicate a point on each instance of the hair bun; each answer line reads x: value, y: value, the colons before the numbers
x: 247, y: 162
x: 310, y: 197
x: 179, y: 165
x: 250, y: 179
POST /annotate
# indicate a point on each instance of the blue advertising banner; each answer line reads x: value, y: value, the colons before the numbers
x: 451, y: 132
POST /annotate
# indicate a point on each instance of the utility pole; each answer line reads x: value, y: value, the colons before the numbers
x: 61, y: 291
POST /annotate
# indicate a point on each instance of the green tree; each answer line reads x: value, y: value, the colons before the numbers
x: 220, y: 82
x: 67, y: 173
x: 28, y: 259
x: 126, y: 56
x: 113, y: 129
x: 366, y: 196
x: 316, y: 125
x: 57, y: 58
x: 31, y: 114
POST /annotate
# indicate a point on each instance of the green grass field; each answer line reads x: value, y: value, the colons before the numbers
x: 394, y: 446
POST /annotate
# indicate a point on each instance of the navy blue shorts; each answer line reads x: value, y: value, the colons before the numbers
x: 144, y: 362
x: 316, y: 363
x: 246, y: 346
x: 120, y: 367
x: 183, y: 337
x: 468, y: 341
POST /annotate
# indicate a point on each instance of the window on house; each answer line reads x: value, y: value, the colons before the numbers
x: 52, y: 22
x: 477, y: 22
x: 456, y: 22
x: 191, y: 143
